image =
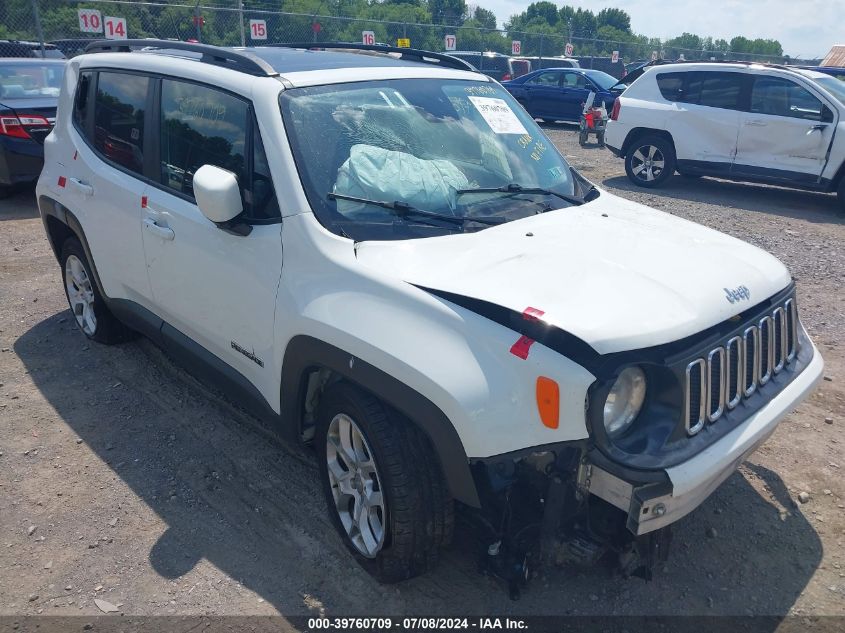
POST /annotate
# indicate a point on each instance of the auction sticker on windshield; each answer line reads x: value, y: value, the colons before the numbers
x: 498, y: 114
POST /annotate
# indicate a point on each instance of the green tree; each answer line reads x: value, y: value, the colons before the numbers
x: 452, y: 12
x: 484, y: 18
x: 542, y: 10
x: 616, y: 18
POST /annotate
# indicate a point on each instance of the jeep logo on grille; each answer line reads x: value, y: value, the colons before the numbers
x: 737, y: 294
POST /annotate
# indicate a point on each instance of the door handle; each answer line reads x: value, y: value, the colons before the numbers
x: 819, y: 127
x: 83, y: 187
x: 164, y: 232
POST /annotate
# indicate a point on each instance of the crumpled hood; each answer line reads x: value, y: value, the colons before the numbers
x: 614, y: 273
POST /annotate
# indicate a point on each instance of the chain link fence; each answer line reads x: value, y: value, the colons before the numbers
x: 68, y: 23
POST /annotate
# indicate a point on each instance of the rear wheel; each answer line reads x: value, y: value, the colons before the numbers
x: 650, y: 161
x: 85, y: 301
x: 383, y: 485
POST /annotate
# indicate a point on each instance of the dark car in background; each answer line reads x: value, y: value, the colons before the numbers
x: 22, y: 48
x: 833, y: 71
x: 605, y: 64
x: 29, y: 94
x: 559, y: 94
x: 71, y: 47
x: 550, y: 62
x: 496, y: 65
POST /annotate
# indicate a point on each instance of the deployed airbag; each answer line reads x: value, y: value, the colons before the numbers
x: 380, y: 174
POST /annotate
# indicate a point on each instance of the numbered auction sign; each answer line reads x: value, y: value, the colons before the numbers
x: 614, y: 58
x: 569, y: 49
x: 368, y: 37
x: 90, y: 21
x: 450, y: 42
x: 516, y: 47
x: 258, y: 29
x: 114, y: 28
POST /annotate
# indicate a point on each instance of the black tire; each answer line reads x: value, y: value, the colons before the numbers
x: 5, y: 191
x: 419, y: 511
x: 583, y: 137
x: 643, y: 174
x: 600, y: 138
x: 106, y: 328
x: 840, y: 194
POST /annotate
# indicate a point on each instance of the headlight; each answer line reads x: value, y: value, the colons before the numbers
x: 624, y: 400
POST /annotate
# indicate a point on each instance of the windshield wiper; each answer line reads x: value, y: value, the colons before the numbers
x: 515, y: 188
x: 403, y: 210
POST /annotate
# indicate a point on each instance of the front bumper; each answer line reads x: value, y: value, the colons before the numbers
x: 651, y: 506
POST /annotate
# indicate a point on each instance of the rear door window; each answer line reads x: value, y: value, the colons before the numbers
x: 119, y: 107
x: 715, y: 89
x: 546, y: 79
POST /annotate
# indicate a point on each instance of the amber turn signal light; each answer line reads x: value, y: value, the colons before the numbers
x: 548, y: 401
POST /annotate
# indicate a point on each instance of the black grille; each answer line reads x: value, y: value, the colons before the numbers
x: 734, y: 368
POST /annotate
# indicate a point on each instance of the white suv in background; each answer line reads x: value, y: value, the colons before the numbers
x: 750, y: 122
x: 384, y: 256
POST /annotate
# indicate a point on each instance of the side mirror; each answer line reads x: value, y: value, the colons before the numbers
x: 217, y: 193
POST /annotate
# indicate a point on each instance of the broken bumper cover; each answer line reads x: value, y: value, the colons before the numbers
x: 651, y: 506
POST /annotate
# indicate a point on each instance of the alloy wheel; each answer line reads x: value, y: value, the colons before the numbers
x: 355, y: 485
x: 80, y: 294
x: 647, y: 163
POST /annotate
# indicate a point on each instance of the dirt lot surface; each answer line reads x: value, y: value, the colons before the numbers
x: 123, y: 479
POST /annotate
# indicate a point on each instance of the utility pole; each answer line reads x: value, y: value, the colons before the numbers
x: 38, y: 30
x: 241, y: 14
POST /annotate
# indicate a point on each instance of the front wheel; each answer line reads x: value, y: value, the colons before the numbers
x: 583, y: 135
x: 86, y: 303
x: 650, y: 161
x: 383, y: 484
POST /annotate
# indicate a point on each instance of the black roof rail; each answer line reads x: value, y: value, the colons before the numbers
x: 242, y: 61
x: 744, y: 62
x: 412, y: 54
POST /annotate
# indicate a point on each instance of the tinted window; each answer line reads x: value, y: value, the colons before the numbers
x: 200, y: 126
x: 781, y: 97
x: 263, y: 203
x: 716, y: 90
x: 671, y: 86
x: 119, y: 118
x: 573, y: 80
x: 545, y: 79
x: 80, y: 103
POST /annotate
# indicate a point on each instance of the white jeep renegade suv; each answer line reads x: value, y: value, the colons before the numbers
x: 751, y: 122
x: 381, y: 252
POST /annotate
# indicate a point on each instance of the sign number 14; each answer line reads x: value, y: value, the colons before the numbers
x: 115, y: 28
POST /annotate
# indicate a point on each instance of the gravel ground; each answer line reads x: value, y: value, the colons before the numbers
x: 123, y: 479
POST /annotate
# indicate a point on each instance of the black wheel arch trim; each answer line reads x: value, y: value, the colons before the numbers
x: 51, y: 208
x: 304, y: 353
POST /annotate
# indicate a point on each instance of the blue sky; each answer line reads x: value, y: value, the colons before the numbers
x: 805, y: 28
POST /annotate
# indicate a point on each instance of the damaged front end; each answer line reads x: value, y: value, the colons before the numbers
x: 541, y: 509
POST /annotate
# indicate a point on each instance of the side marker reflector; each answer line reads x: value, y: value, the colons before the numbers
x: 62, y: 181
x: 548, y: 402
